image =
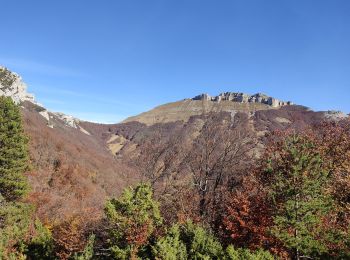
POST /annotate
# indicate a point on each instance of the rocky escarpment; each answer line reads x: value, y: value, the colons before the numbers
x: 335, y: 115
x: 244, y: 98
x: 231, y: 102
x: 12, y: 85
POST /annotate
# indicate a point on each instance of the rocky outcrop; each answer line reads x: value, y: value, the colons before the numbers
x: 12, y: 85
x: 231, y: 102
x: 335, y: 115
x: 69, y: 120
x: 244, y: 98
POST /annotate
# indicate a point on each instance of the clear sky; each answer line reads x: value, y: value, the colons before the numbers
x: 109, y: 59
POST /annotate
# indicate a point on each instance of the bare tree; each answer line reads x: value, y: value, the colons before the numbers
x: 218, y: 154
x: 159, y: 157
x: 204, y: 157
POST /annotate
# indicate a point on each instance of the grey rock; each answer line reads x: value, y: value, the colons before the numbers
x: 244, y: 98
x: 12, y: 85
x: 335, y: 115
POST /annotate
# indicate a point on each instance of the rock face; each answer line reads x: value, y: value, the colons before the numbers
x: 335, y: 115
x: 11, y: 85
x: 244, y: 98
x: 231, y: 102
x: 69, y: 120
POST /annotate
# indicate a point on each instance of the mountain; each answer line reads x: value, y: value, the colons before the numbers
x: 73, y: 171
x: 225, y: 102
x: 78, y: 164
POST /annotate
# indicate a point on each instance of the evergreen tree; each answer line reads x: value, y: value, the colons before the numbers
x: 170, y: 247
x: 14, y: 214
x: 88, y: 252
x: 246, y: 254
x: 40, y: 246
x: 14, y: 227
x: 188, y: 241
x: 191, y: 241
x: 13, y: 152
x: 133, y: 218
x: 298, y: 190
x: 200, y: 243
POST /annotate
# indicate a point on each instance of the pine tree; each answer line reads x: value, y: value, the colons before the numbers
x: 298, y: 191
x: 132, y: 218
x: 14, y: 214
x: 245, y: 254
x: 188, y: 241
x: 13, y: 152
x: 170, y: 247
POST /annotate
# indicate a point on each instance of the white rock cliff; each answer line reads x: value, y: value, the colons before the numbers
x: 12, y: 85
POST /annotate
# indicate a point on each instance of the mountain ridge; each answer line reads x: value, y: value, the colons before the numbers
x: 244, y: 98
x: 12, y: 85
x: 231, y: 102
x: 77, y: 164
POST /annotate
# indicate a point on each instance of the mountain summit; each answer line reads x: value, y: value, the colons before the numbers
x: 232, y: 102
x: 244, y: 98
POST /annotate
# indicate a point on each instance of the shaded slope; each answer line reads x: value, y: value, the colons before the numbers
x: 72, y: 171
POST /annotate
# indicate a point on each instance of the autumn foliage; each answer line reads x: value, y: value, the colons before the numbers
x: 248, y: 217
x: 69, y: 237
x: 209, y: 189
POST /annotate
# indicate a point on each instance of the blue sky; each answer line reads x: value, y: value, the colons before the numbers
x: 107, y: 60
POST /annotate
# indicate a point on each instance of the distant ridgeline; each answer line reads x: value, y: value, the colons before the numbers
x: 244, y: 98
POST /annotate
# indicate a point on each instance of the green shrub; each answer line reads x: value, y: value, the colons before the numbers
x: 132, y: 219
x: 170, y: 247
x: 88, y: 252
x: 188, y: 241
x: 14, y: 226
x: 41, y: 245
x: 246, y: 254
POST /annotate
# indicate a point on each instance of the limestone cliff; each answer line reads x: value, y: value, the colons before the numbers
x: 244, y: 98
x: 12, y: 85
x: 231, y: 102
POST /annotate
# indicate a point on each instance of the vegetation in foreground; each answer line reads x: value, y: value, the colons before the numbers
x: 292, y: 203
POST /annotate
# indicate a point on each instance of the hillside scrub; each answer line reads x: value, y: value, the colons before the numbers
x: 210, y: 197
x: 132, y: 221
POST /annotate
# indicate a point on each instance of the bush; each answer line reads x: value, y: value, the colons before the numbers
x: 170, y: 247
x: 41, y: 245
x: 132, y: 218
x: 246, y: 254
x: 187, y: 241
x: 14, y: 228
x: 88, y: 252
